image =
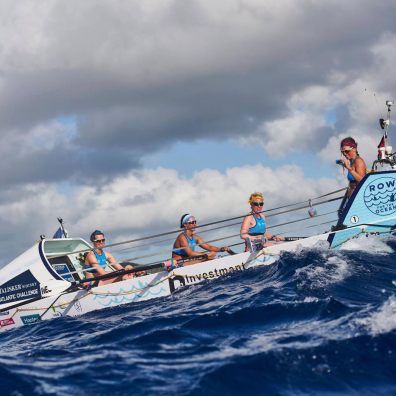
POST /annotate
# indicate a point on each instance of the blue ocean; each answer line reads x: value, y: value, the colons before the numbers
x: 317, y: 322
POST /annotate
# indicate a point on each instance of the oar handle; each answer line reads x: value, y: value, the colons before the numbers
x: 172, y: 263
x: 295, y: 238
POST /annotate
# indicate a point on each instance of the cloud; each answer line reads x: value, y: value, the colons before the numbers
x: 147, y: 202
x: 142, y: 76
x: 137, y: 77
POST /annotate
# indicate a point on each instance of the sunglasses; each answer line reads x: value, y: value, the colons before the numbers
x: 192, y: 222
x: 258, y: 203
x: 100, y: 240
x: 346, y: 151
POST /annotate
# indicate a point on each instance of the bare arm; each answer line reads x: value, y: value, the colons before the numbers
x: 91, y: 261
x: 206, y: 246
x: 181, y: 242
x: 113, y: 262
x: 246, y: 224
x: 360, y: 168
x: 271, y: 237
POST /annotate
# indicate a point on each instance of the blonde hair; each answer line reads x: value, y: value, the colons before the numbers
x: 254, y: 196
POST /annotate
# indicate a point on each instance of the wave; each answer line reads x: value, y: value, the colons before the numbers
x: 369, y: 244
x: 382, y: 320
x: 316, y: 322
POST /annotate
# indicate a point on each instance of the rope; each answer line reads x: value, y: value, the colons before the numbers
x: 158, y: 253
x: 222, y: 221
x: 90, y: 292
x: 362, y: 228
x: 228, y: 237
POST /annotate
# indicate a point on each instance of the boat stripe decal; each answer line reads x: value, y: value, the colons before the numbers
x: 350, y: 202
x: 47, y: 264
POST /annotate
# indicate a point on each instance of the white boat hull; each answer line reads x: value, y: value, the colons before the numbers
x: 142, y: 288
x: 152, y: 286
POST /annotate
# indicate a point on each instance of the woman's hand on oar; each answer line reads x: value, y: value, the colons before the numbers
x: 227, y: 249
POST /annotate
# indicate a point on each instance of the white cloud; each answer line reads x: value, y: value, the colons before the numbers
x: 304, y: 125
x: 138, y: 76
x: 149, y: 201
x: 283, y: 136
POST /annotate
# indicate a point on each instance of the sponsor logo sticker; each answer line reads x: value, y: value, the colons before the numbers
x: 22, y: 287
x: 6, y: 322
x: 380, y: 196
x: 30, y: 319
x: 77, y: 306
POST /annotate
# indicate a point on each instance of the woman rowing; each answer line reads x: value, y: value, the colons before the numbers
x: 254, y: 227
x: 186, y: 243
x: 98, y: 261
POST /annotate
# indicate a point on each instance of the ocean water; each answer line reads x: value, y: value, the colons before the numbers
x: 315, y: 323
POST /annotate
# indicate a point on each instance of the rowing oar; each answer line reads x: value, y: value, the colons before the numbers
x: 287, y: 239
x: 166, y: 266
x: 295, y: 238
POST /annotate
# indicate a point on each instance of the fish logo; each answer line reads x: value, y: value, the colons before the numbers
x: 380, y: 196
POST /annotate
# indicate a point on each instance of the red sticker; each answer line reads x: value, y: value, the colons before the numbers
x: 6, y: 322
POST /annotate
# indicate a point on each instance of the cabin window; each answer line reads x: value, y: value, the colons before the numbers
x: 64, y: 267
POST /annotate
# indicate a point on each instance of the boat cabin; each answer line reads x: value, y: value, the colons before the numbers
x: 66, y: 256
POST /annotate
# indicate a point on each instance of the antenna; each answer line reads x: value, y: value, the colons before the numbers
x: 389, y: 104
x: 385, y: 154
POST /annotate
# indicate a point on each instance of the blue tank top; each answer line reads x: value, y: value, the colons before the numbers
x: 180, y: 251
x: 101, y: 259
x: 349, y: 175
x: 259, y: 228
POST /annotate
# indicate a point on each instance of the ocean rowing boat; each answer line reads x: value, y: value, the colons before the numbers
x: 48, y: 281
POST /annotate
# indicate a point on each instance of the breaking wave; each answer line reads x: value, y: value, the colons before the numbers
x: 316, y: 322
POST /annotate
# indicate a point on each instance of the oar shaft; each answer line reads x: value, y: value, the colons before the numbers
x: 295, y: 238
x: 118, y: 273
x: 167, y: 265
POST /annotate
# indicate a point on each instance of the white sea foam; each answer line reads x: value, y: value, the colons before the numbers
x: 383, y: 320
x: 310, y: 300
x: 370, y: 244
x: 332, y: 270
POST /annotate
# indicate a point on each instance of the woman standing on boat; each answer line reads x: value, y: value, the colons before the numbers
x: 254, y: 227
x: 188, y: 241
x: 353, y: 163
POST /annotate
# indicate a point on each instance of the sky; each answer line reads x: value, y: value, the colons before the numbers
x: 122, y: 115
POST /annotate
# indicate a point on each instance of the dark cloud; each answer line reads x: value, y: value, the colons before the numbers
x: 139, y: 77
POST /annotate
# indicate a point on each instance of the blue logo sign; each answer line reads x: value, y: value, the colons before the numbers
x: 22, y: 287
x: 380, y: 196
x: 30, y: 319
